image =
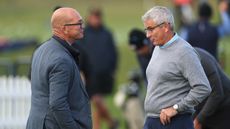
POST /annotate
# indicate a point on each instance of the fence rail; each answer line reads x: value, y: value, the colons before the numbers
x: 14, y: 102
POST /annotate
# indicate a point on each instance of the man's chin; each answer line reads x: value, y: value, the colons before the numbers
x: 79, y: 37
x: 155, y: 44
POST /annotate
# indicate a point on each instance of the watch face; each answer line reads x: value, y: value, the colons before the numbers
x: 175, y: 106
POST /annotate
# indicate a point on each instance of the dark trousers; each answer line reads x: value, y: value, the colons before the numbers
x: 177, y: 122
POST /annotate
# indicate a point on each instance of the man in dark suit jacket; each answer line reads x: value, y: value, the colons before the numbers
x: 213, y: 113
x: 59, y: 99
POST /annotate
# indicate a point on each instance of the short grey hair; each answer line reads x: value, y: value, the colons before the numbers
x: 159, y: 14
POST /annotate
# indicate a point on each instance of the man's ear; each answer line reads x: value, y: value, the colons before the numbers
x: 166, y: 27
x: 64, y: 29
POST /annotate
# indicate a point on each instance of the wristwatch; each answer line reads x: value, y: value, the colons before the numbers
x: 175, y: 106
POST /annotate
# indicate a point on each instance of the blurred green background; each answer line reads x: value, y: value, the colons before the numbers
x: 21, y: 19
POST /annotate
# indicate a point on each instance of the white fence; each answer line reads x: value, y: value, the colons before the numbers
x: 14, y: 102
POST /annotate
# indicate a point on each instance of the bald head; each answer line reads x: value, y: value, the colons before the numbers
x: 67, y: 24
x: 63, y: 16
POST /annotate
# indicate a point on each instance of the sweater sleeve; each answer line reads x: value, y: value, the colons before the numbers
x: 193, y: 72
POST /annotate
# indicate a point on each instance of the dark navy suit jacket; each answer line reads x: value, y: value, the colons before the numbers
x: 204, y: 35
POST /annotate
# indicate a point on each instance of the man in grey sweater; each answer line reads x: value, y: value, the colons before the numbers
x: 176, y: 79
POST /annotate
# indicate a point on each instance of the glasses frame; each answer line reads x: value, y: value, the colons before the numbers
x: 75, y: 24
x: 150, y: 29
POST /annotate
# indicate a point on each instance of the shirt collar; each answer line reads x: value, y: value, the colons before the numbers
x: 174, y: 38
x: 74, y: 52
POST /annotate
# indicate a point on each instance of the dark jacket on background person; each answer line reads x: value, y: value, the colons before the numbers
x: 83, y: 63
x: 59, y: 99
x: 142, y: 47
x: 144, y: 61
x: 204, y: 35
x: 98, y: 59
x: 214, y: 111
x: 98, y: 45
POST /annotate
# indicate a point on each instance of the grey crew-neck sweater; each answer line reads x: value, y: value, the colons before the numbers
x: 175, y: 76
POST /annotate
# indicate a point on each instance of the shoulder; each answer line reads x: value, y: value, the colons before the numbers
x: 47, y: 45
x: 106, y: 30
x: 53, y: 50
x: 193, y: 27
x: 207, y: 59
x: 184, y: 48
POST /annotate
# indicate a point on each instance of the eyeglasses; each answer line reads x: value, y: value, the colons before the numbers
x: 150, y: 29
x: 75, y: 24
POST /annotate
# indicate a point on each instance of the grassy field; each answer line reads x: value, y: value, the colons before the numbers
x: 30, y: 18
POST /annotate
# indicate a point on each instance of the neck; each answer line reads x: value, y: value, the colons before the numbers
x: 169, y: 36
x: 61, y: 36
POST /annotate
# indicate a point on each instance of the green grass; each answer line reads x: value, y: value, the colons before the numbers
x: 30, y: 18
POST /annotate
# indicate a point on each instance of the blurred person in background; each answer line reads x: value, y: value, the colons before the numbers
x: 176, y: 79
x: 205, y: 35
x: 7, y: 44
x: 99, y: 68
x: 224, y: 7
x: 59, y: 99
x: 184, y: 13
x: 129, y: 96
x: 214, y: 112
x: 142, y: 47
x: 57, y: 7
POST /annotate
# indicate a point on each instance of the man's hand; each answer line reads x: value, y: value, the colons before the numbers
x: 197, y: 124
x: 166, y: 115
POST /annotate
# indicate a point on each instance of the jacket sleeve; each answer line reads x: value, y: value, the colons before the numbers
x: 217, y: 94
x: 60, y: 77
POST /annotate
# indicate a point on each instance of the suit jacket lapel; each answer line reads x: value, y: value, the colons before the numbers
x: 72, y: 52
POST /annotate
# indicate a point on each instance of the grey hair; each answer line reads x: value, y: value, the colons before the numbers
x: 159, y: 14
